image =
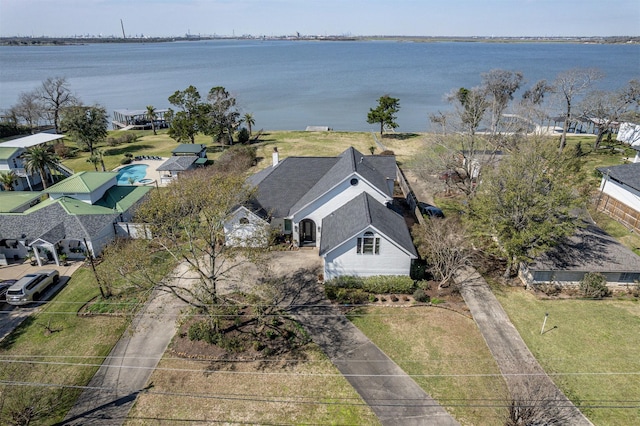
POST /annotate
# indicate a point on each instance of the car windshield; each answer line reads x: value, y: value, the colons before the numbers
x: 14, y: 292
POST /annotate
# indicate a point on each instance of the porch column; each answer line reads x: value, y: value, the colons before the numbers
x: 37, y: 255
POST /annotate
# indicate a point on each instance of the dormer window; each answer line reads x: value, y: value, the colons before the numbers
x: 368, y: 244
x: 244, y: 221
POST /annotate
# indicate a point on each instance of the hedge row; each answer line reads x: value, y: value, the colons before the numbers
x: 378, y: 284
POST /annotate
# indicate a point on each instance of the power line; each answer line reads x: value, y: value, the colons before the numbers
x: 279, y: 373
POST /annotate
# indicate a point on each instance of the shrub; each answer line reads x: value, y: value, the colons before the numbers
x: 125, y: 160
x: 243, y: 135
x: 387, y: 152
x: 388, y: 284
x: 594, y: 285
x: 420, y: 296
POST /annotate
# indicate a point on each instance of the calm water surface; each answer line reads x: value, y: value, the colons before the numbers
x: 290, y: 85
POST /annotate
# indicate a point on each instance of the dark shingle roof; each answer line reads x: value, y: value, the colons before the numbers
x: 280, y: 187
x: 628, y: 174
x: 349, y: 162
x: 177, y: 163
x: 590, y: 249
x: 356, y: 216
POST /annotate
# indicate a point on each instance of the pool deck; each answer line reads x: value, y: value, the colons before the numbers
x: 152, y: 173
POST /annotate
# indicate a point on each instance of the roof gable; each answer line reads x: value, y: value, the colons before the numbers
x: 177, y: 163
x: 359, y: 214
x: 82, y: 183
x: 628, y: 174
x: 349, y: 162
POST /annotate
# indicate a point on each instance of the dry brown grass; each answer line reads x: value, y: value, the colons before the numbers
x: 199, y: 392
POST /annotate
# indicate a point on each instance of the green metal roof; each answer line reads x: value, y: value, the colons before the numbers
x: 12, y: 200
x: 201, y: 161
x: 82, y: 183
x: 121, y: 198
x: 7, y: 152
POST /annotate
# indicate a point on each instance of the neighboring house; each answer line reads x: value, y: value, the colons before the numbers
x: 11, y: 159
x: 620, y: 194
x: 629, y: 133
x: 338, y: 204
x: 175, y: 165
x: 75, y: 215
x: 590, y: 249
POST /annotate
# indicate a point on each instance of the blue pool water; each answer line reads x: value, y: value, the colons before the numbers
x: 134, y: 171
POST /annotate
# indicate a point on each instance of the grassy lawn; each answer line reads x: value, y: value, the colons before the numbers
x: 592, y: 355
x: 310, y: 391
x: 448, y: 355
x: 76, y: 340
x: 289, y: 143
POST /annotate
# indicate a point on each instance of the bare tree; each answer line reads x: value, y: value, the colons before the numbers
x: 568, y: 85
x: 443, y: 244
x: 604, y: 109
x: 499, y: 86
x: 29, y: 110
x: 535, y: 404
x: 56, y: 95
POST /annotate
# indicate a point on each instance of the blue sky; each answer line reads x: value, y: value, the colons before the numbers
x: 321, y: 17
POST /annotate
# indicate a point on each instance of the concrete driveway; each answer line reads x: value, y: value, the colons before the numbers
x: 525, y: 378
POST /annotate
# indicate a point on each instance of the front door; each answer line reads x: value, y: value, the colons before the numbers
x: 307, y: 233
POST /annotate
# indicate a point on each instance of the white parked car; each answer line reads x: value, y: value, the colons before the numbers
x: 31, y: 286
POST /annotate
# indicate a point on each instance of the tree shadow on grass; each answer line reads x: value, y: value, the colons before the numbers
x: 12, y: 337
x: 400, y: 136
x: 121, y: 150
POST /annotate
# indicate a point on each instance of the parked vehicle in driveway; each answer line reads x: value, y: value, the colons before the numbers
x: 429, y: 210
x: 31, y: 286
x: 4, y: 286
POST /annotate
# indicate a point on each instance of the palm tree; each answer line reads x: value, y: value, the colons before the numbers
x: 248, y: 118
x: 100, y: 155
x: 94, y: 160
x: 152, y: 115
x: 6, y: 180
x: 39, y: 158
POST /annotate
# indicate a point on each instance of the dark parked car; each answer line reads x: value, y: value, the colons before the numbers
x: 429, y: 210
x: 4, y: 286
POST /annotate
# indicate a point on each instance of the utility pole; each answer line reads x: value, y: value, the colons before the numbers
x: 122, y: 25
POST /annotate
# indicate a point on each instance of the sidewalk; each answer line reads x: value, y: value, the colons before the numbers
x: 521, y: 371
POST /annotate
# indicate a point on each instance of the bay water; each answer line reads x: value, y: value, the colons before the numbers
x: 288, y: 85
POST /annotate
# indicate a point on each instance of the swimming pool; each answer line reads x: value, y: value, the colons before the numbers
x: 130, y: 174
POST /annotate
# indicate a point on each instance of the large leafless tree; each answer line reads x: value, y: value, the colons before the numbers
x: 55, y: 95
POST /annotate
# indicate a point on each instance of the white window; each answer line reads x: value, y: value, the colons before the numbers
x: 368, y: 244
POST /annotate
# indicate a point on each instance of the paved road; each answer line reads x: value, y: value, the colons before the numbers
x: 392, y: 395
x: 524, y: 376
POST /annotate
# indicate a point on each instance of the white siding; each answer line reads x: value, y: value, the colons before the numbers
x: 255, y: 233
x: 344, y: 260
x: 622, y: 193
x: 334, y: 199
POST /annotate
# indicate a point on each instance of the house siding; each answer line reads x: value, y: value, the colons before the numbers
x: 620, y: 202
x: 252, y: 234
x: 344, y: 260
x: 334, y: 199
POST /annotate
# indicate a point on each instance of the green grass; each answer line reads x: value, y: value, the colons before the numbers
x: 446, y: 353
x: 76, y: 340
x: 592, y: 355
x: 289, y: 143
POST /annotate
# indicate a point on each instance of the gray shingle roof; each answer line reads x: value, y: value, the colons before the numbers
x: 46, y: 221
x: 356, y: 216
x: 349, y: 162
x: 280, y: 187
x: 590, y: 249
x: 177, y: 163
x: 628, y: 174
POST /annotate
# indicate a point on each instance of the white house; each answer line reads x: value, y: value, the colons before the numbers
x: 330, y: 202
x: 629, y: 133
x: 620, y: 194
